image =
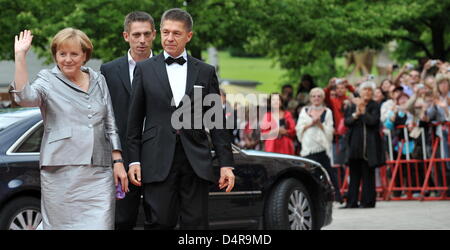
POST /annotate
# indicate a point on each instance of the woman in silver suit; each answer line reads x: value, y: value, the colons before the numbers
x: 80, y: 141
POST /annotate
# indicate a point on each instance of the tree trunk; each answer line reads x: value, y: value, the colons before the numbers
x: 196, y: 52
x: 437, y: 38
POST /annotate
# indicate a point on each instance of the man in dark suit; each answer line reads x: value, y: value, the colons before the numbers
x: 176, y: 162
x: 139, y: 32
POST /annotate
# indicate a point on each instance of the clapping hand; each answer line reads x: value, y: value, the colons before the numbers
x: 362, y: 109
x: 316, y: 120
x: 22, y: 43
x: 283, y: 131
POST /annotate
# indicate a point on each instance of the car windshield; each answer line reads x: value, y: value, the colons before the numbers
x: 11, y: 116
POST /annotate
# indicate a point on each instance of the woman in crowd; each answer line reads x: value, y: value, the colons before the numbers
x: 398, y: 115
x: 440, y: 111
x: 315, y: 132
x: 443, y: 92
x: 379, y: 96
x: 385, y: 86
x: 365, y: 151
x: 80, y: 141
x: 278, y: 128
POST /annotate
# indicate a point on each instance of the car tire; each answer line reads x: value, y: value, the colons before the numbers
x: 289, y: 207
x: 21, y: 214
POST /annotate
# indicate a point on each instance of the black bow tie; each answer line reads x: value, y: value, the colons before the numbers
x: 180, y: 60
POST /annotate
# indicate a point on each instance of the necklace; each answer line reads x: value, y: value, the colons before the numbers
x: 312, y: 107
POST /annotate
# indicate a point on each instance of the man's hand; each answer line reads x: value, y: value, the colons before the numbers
x: 134, y: 173
x: 356, y: 100
x: 226, y: 179
x: 120, y: 175
x: 361, y: 108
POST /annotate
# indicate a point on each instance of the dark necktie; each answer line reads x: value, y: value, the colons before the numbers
x: 180, y: 60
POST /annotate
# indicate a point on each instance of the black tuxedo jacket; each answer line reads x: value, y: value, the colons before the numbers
x: 118, y: 80
x: 155, y: 145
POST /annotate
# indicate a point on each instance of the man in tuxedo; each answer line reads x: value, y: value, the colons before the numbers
x: 176, y: 163
x: 139, y: 32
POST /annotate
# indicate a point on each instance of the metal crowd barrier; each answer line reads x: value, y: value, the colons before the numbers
x: 405, y: 178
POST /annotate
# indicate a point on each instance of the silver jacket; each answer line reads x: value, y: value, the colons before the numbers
x: 79, y: 127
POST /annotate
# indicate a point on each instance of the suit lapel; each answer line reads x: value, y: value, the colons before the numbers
x: 161, y: 72
x: 124, y: 74
x: 192, y: 73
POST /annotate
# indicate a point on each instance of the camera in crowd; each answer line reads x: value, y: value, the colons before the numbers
x: 433, y: 63
x: 409, y: 66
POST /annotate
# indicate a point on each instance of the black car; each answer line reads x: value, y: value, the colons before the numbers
x: 272, y: 191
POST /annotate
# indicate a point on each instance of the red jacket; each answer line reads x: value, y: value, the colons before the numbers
x: 336, y: 104
x: 283, y: 144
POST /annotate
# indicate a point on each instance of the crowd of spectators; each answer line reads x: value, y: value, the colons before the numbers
x: 322, y: 121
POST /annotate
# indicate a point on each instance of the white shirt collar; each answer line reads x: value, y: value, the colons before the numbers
x: 131, y: 61
x: 184, y: 54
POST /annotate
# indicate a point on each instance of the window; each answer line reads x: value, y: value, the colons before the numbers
x: 32, y: 144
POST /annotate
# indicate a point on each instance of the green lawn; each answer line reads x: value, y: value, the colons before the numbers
x: 256, y: 69
x: 263, y: 70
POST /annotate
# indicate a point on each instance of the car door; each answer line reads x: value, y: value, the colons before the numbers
x: 240, y: 207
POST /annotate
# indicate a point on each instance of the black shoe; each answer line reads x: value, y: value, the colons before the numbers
x: 367, y: 206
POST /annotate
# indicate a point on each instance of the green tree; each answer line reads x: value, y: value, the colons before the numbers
x: 306, y: 36
x: 37, y: 15
x: 216, y: 22
x: 303, y: 36
x: 423, y: 28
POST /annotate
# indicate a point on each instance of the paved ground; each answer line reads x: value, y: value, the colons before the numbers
x: 396, y: 215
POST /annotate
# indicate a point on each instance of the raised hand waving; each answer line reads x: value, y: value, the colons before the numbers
x: 22, y: 43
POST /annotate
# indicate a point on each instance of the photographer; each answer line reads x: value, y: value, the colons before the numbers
x: 407, y: 79
x: 336, y: 104
x: 429, y: 65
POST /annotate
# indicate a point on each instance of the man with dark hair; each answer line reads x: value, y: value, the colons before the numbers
x: 139, y: 32
x: 337, y: 105
x: 287, y: 92
x: 176, y: 163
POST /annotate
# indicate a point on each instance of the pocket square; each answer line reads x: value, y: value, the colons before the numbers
x: 199, y: 86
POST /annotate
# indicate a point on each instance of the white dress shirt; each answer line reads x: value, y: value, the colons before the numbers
x: 132, y: 64
x: 177, y: 77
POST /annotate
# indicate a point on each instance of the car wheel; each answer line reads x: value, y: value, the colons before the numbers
x: 21, y: 214
x: 289, y: 207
